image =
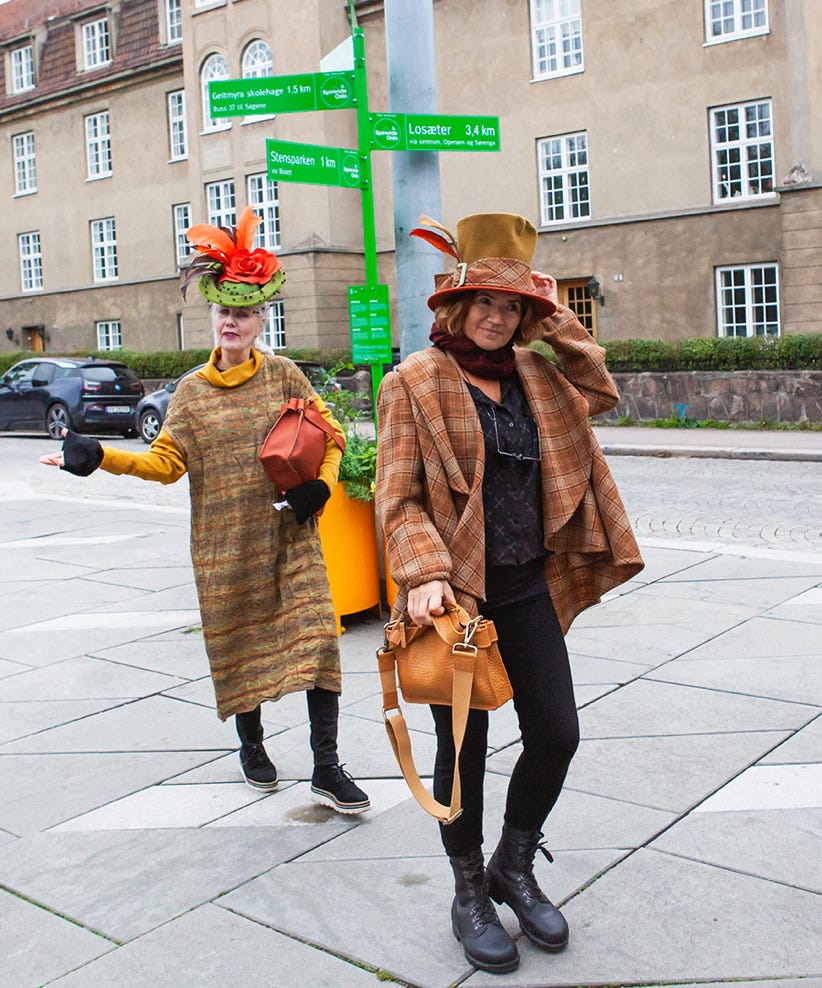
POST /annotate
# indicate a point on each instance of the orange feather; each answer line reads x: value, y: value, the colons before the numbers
x: 246, y: 226
x: 435, y: 240
x: 211, y: 238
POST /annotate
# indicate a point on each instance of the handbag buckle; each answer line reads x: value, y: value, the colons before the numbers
x: 466, y: 648
x: 471, y: 629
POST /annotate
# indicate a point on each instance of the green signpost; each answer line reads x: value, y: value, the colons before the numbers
x: 433, y: 132
x: 314, y: 164
x: 368, y: 304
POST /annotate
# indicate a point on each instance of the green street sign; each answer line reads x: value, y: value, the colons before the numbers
x: 370, y: 317
x: 433, y: 132
x: 281, y: 94
x: 313, y: 164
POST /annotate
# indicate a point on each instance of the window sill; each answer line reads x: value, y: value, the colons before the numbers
x: 726, y: 39
x: 733, y: 200
x: 215, y: 130
x: 578, y: 70
x: 98, y: 178
x: 174, y: 161
x: 107, y: 281
x: 94, y: 68
x: 247, y: 121
x: 31, y: 291
x: 22, y: 195
x: 19, y: 92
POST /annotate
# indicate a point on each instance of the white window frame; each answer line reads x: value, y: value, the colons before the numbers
x: 221, y: 203
x: 181, y: 218
x: 215, y: 67
x: 97, y: 127
x: 263, y: 195
x: 109, y: 334
x: 742, y: 302
x: 104, y: 249
x: 177, y: 125
x: 174, y: 21
x: 96, y: 40
x: 257, y: 63
x: 22, y: 68
x: 556, y: 38
x: 25, y: 164
x: 737, y: 161
x: 568, y: 176
x: 733, y: 20
x: 274, y: 329
x: 31, y: 261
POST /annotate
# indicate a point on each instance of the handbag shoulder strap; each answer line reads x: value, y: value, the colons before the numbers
x: 400, y: 739
x: 308, y: 409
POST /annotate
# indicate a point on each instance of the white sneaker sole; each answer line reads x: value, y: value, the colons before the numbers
x: 262, y: 786
x: 326, y: 799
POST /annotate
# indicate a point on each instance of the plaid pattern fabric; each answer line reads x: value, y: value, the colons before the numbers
x: 430, y: 463
x: 502, y: 273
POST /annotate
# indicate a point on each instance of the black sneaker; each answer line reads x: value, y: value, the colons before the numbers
x: 257, y: 768
x: 335, y: 788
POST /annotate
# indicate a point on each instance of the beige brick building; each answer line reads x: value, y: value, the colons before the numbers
x: 670, y: 152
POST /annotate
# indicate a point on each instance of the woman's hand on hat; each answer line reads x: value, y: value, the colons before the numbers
x: 427, y: 599
x: 546, y: 286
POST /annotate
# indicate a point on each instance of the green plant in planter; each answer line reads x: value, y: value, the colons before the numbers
x: 358, y: 466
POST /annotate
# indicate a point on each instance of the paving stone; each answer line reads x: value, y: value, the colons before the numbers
x: 19, y: 720
x: 150, y: 577
x: 758, y: 594
x: 84, y: 678
x: 37, y: 946
x: 805, y: 746
x: 744, y: 928
x: 805, y: 606
x: 221, y: 949
x: 761, y: 637
x: 183, y: 656
x: 766, y: 565
x: 588, y: 669
x: 651, y: 643
x: 634, y: 611
x: 667, y: 561
x: 124, y: 883
x: 75, y: 784
x: 666, y: 773
x: 769, y: 787
x: 645, y: 709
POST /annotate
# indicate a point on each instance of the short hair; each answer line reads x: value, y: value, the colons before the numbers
x: 451, y: 315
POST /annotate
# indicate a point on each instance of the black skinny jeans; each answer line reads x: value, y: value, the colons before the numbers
x: 536, y: 659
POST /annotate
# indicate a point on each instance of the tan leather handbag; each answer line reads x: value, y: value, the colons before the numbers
x: 455, y: 663
x: 295, y: 445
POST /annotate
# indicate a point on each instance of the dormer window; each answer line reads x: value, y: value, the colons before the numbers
x: 22, y: 68
x: 96, y: 43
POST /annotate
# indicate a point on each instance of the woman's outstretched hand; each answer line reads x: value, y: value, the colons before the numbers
x: 55, y: 459
x: 80, y: 455
x: 545, y: 285
x: 428, y: 599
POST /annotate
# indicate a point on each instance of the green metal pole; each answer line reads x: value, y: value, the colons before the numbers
x: 366, y: 183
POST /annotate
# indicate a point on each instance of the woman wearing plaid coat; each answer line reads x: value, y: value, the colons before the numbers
x: 493, y: 492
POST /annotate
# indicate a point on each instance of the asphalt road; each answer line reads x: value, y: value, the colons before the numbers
x: 745, y: 502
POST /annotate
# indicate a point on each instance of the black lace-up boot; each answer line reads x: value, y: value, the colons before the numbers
x: 257, y: 768
x: 474, y: 919
x: 511, y: 880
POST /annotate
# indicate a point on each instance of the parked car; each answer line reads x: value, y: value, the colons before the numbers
x: 151, y: 410
x: 53, y: 393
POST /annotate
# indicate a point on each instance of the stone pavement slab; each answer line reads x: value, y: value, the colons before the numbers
x: 220, y: 950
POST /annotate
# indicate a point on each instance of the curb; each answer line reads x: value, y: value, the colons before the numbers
x: 717, y: 453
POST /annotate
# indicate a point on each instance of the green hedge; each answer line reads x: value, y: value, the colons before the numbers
x: 716, y: 353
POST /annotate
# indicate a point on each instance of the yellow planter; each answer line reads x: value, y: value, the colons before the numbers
x: 348, y: 535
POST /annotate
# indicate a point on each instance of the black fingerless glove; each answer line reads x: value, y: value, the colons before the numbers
x: 307, y: 499
x: 81, y: 455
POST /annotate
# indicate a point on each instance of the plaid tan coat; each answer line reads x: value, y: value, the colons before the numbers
x: 431, y: 459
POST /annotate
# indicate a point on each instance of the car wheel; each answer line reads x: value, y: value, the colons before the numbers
x: 150, y: 425
x: 57, y: 419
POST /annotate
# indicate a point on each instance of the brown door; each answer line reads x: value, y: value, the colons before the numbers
x: 574, y: 295
x: 34, y: 338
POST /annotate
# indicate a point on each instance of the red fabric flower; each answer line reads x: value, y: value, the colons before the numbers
x: 254, y: 267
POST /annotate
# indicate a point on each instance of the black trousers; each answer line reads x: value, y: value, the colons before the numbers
x: 323, y: 715
x: 533, y: 649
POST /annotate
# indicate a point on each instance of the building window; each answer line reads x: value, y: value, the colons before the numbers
x: 274, y: 331
x: 177, y: 125
x: 556, y: 38
x: 96, y: 43
x: 182, y: 221
x: 729, y: 20
x: 214, y: 68
x: 109, y: 335
x: 25, y: 166
x: 563, y: 178
x: 174, y: 21
x: 748, y: 300
x: 31, y: 261
x: 98, y: 145
x: 22, y: 69
x: 742, y: 148
x: 220, y: 203
x: 262, y: 195
x: 104, y: 249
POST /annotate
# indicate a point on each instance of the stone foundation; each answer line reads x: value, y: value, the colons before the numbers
x: 727, y: 396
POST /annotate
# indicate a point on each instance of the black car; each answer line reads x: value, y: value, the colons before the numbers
x: 151, y: 410
x: 84, y: 395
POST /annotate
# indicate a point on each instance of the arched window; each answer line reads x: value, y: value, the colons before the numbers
x: 214, y: 67
x: 257, y: 60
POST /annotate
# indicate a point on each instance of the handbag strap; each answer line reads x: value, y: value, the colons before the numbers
x: 308, y: 409
x: 397, y: 729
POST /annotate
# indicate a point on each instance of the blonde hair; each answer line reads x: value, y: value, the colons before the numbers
x: 451, y: 315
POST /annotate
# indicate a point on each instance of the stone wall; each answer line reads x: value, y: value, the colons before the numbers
x: 738, y: 396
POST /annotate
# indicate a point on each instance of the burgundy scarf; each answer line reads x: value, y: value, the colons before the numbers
x: 492, y: 364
